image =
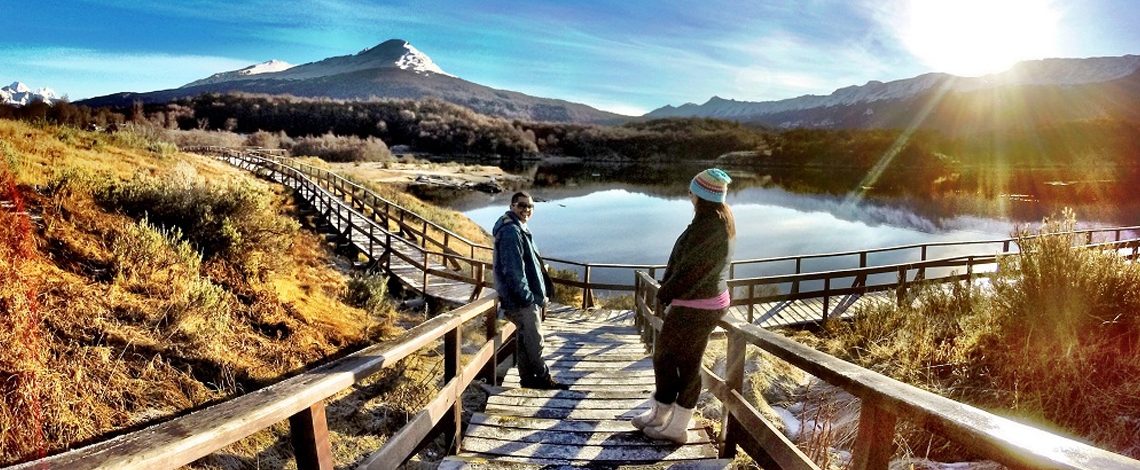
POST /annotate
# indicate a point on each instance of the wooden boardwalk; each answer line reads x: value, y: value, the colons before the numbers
x: 601, y: 356
x: 807, y: 311
x: 404, y: 259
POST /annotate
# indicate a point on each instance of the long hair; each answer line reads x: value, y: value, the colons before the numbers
x: 720, y: 210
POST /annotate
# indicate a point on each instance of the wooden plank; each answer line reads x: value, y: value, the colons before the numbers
x: 591, y: 453
x: 606, y: 374
x: 563, y: 413
x: 578, y: 403
x: 642, y: 365
x: 572, y: 394
x: 476, y: 461
x: 621, y: 438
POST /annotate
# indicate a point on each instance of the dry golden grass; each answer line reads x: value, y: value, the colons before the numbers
x: 110, y: 324
x: 1055, y: 342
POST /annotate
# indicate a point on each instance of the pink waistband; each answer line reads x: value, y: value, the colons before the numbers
x: 711, y: 303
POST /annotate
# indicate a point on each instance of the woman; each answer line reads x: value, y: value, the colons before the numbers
x: 695, y: 288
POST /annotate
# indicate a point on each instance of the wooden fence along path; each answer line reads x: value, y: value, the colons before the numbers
x: 599, y: 353
x: 377, y: 229
x: 768, y: 292
x: 601, y: 356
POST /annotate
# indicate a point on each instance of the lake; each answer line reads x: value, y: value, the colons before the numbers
x: 608, y: 214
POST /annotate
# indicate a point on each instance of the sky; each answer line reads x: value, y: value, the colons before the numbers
x: 629, y: 56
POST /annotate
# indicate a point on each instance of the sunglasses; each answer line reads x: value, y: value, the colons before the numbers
x: 524, y: 205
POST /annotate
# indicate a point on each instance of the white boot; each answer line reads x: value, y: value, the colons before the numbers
x: 657, y: 415
x: 676, y: 429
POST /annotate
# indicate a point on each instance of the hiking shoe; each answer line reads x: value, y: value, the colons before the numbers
x: 544, y: 383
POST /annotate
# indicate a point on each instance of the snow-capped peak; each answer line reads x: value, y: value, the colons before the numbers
x: 20, y: 94
x: 393, y: 53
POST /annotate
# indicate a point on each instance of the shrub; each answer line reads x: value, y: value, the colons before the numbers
x: 153, y: 259
x: 198, y: 137
x: 343, y: 148
x: 234, y: 222
x: 269, y: 140
x: 368, y: 292
x: 565, y: 294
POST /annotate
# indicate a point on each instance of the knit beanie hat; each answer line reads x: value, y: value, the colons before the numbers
x: 710, y: 185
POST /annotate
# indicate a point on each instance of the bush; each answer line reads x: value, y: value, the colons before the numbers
x: 269, y: 140
x: 153, y: 259
x: 368, y: 292
x: 198, y: 137
x: 334, y: 148
x: 564, y: 294
x: 233, y: 222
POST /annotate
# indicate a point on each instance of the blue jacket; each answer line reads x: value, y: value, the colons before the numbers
x: 518, y: 268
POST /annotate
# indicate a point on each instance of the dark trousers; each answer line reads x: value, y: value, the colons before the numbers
x: 528, y: 321
x: 677, y: 355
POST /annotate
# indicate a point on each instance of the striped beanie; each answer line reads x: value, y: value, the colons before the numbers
x: 710, y: 185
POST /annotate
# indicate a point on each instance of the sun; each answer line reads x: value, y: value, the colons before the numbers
x: 977, y: 37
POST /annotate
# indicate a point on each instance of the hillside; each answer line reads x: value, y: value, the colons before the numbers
x: 137, y: 283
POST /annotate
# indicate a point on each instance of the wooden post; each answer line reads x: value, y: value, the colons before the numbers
x: 587, y: 293
x: 900, y: 290
x: 862, y: 259
x: 874, y: 444
x: 490, y: 330
x: 751, y: 303
x: 453, y: 423
x: 424, y: 235
x: 309, y: 431
x: 426, y: 260
x: 730, y: 427
x: 922, y: 268
x: 826, y: 296
x: 1005, y: 246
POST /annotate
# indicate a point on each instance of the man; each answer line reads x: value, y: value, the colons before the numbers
x: 521, y: 283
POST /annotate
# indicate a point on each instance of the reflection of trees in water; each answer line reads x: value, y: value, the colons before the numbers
x: 1103, y: 195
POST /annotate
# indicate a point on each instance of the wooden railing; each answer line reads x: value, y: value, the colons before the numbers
x: 301, y: 401
x: 884, y: 401
x: 470, y: 260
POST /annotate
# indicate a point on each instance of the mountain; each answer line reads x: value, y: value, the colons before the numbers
x: 392, y: 69
x: 19, y: 94
x: 1029, y: 93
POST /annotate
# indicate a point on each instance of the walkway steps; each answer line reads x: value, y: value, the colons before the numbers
x: 610, y: 375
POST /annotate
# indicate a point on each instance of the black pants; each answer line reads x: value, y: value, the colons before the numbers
x: 677, y: 355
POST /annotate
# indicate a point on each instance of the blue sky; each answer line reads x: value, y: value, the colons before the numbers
x: 630, y: 56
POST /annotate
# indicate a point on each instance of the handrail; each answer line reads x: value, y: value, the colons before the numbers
x: 300, y: 399
x: 587, y: 285
x: 883, y: 402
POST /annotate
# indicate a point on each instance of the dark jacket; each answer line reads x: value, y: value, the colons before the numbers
x: 698, y: 265
x: 519, y: 276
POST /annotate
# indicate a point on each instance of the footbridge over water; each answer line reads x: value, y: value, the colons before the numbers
x: 602, y: 354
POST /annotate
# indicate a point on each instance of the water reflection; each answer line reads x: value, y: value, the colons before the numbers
x: 633, y: 213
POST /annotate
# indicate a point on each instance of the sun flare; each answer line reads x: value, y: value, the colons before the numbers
x: 977, y: 37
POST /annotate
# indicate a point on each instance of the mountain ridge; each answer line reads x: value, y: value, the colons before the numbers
x: 393, y: 69
x: 1057, y: 73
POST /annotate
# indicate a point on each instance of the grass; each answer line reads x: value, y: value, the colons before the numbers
x: 155, y: 283
x: 1055, y: 342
